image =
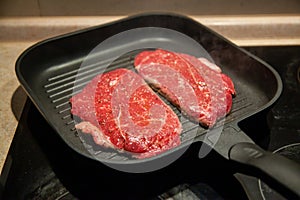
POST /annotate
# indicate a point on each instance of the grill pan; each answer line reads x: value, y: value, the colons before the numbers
x: 47, y: 71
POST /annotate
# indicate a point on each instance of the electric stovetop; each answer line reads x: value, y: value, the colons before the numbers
x: 41, y: 166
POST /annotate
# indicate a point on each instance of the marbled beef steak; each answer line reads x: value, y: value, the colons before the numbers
x: 121, y: 111
x: 195, y: 85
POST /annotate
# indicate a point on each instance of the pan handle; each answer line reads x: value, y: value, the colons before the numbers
x: 283, y: 170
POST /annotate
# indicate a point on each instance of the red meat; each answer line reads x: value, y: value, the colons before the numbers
x: 121, y: 111
x: 194, y: 85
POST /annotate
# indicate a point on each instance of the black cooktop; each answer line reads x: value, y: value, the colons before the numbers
x: 41, y: 166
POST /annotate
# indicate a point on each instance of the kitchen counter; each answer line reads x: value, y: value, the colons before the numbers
x: 17, y: 34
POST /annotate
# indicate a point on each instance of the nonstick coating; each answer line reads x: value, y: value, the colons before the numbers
x: 48, y: 69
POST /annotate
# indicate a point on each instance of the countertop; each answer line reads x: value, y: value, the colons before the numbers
x: 19, y: 33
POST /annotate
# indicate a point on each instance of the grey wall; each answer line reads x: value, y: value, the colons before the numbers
x: 125, y: 7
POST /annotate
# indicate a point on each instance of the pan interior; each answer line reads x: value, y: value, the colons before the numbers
x: 60, y: 94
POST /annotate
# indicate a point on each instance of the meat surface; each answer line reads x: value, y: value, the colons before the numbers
x: 121, y: 111
x: 195, y: 85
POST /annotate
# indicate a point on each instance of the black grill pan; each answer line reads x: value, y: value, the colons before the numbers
x: 47, y: 72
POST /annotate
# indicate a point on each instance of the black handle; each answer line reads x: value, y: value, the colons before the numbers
x: 285, y: 171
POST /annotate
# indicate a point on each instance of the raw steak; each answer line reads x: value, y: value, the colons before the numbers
x: 196, y: 86
x: 121, y: 111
